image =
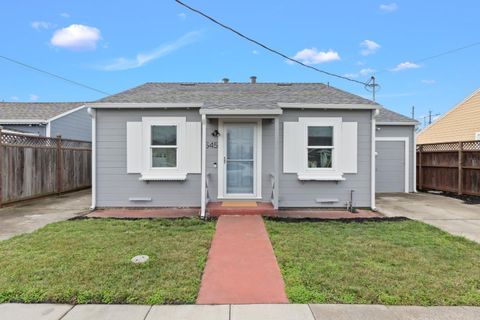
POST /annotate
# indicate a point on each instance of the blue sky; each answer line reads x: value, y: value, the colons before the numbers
x: 115, y: 45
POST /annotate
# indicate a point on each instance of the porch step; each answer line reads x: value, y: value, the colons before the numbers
x: 216, y: 209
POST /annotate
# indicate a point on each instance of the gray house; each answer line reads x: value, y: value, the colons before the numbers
x: 47, y: 119
x: 291, y: 145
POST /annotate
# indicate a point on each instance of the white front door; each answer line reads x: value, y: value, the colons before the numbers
x: 240, y: 165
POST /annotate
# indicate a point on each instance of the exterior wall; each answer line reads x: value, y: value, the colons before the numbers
x: 40, y: 130
x: 115, y: 186
x: 402, y: 132
x: 459, y: 124
x: 76, y: 125
x: 296, y: 193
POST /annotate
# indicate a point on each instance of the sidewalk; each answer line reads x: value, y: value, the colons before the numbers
x: 233, y: 312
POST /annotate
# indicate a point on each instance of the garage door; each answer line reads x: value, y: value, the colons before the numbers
x: 390, y: 163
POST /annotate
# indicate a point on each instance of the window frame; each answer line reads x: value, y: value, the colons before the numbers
x: 152, y: 146
x: 309, y: 147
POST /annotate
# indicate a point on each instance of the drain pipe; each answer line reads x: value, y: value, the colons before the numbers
x: 204, y: 168
x: 92, y: 113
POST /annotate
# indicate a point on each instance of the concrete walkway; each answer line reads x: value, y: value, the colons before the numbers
x: 449, y: 214
x: 241, y: 266
x: 31, y: 215
x: 234, y: 312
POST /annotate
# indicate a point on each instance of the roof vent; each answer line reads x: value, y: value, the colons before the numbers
x: 225, y: 80
x: 253, y: 79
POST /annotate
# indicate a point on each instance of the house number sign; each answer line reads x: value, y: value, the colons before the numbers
x: 212, y: 145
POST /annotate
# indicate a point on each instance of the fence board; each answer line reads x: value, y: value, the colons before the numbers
x: 30, y: 167
x: 451, y: 167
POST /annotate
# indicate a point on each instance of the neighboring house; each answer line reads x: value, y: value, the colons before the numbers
x: 291, y: 144
x: 461, y: 123
x: 47, y: 119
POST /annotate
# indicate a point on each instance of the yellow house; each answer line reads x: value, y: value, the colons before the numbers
x: 461, y: 123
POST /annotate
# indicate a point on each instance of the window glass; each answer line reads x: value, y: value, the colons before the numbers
x: 164, y: 135
x: 164, y: 157
x: 320, y: 136
x: 319, y: 158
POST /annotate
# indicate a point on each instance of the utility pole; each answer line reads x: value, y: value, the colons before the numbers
x: 413, y: 112
x: 429, y: 117
x: 374, y: 86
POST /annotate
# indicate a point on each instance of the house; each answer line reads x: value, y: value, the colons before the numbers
x: 461, y: 123
x: 294, y: 145
x: 47, y: 119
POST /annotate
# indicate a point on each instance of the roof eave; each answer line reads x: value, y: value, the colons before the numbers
x: 397, y: 123
x: 142, y: 105
x: 240, y: 112
x: 23, y: 121
x: 338, y: 106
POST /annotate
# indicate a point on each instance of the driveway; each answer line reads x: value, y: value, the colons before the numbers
x: 449, y: 214
x: 31, y: 215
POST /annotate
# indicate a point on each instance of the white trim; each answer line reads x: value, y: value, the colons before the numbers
x: 373, y: 156
x: 328, y: 106
x: 24, y: 121
x: 142, y: 105
x: 241, y: 112
x: 315, y: 177
x: 48, y: 130
x: 66, y: 113
x: 257, y: 192
x: 93, y: 115
x: 407, y: 158
x: 164, y: 177
x: 203, y: 200
x: 397, y: 123
x: 414, y: 150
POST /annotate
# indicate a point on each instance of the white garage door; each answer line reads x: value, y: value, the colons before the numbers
x: 390, y: 166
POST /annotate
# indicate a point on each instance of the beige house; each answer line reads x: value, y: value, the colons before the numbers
x: 461, y: 123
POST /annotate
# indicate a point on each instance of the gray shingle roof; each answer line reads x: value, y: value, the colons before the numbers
x: 386, y: 115
x: 34, y: 110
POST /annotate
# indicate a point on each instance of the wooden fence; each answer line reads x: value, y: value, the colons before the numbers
x: 452, y: 167
x: 32, y: 166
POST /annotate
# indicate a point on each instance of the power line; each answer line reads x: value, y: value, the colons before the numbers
x: 267, y: 47
x: 54, y: 75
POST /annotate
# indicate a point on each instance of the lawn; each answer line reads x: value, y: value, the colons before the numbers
x: 394, y: 263
x: 88, y: 261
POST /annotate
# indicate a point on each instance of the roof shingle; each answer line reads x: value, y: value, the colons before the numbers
x: 40, y: 111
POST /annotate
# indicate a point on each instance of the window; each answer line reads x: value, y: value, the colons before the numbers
x: 320, y: 147
x: 164, y: 146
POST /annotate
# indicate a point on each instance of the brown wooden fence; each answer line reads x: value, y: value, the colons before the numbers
x: 32, y: 167
x: 452, y: 167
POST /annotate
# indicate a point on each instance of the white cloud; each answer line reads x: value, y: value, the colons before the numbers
x: 14, y: 98
x: 76, y: 37
x: 367, y: 72
x: 405, y: 65
x: 34, y: 97
x: 143, y: 58
x: 390, y: 7
x: 65, y: 15
x: 429, y: 81
x: 182, y: 15
x: 39, y: 25
x: 255, y: 52
x: 351, y: 75
x: 313, y: 56
x: 369, y: 47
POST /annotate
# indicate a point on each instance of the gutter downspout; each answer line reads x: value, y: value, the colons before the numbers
x: 204, y: 167
x: 373, y: 155
x: 93, y: 113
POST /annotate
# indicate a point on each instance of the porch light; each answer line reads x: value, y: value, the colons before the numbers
x: 215, y: 133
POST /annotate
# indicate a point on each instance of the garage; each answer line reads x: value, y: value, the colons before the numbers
x: 391, y: 166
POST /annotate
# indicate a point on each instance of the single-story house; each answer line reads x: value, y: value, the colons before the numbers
x: 47, y: 119
x: 461, y: 123
x: 294, y: 145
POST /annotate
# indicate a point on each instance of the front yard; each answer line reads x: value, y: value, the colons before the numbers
x: 402, y: 263
x: 88, y: 261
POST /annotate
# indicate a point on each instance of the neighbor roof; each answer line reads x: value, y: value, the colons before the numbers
x: 40, y: 111
x: 385, y: 115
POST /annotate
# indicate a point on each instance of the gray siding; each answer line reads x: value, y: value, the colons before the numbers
x: 296, y: 193
x: 76, y: 125
x: 115, y: 186
x: 40, y: 130
x: 402, y: 131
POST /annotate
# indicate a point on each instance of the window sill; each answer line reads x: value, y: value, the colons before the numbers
x: 164, y: 177
x: 317, y: 177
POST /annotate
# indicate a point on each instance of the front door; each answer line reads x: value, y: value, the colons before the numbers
x: 240, y: 159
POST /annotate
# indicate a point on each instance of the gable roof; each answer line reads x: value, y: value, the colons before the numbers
x: 388, y: 116
x: 35, y: 111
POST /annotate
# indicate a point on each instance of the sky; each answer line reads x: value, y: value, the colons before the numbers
x: 116, y: 45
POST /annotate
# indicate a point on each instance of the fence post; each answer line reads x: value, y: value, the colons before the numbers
x: 1, y: 166
x: 460, y: 167
x: 59, y: 164
x: 420, y: 171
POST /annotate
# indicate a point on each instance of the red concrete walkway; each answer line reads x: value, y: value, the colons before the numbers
x: 241, y: 266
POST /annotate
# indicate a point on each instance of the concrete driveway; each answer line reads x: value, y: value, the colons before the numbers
x: 31, y: 215
x: 449, y: 214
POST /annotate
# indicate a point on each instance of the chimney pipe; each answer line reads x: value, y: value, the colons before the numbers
x: 225, y: 80
x: 253, y: 79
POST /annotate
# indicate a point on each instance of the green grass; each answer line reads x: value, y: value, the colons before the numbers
x: 88, y: 261
x: 394, y: 263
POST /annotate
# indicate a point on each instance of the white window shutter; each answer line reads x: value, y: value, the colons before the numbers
x: 293, y: 141
x: 349, y: 149
x: 193, y: 150
x: 134, y: 147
